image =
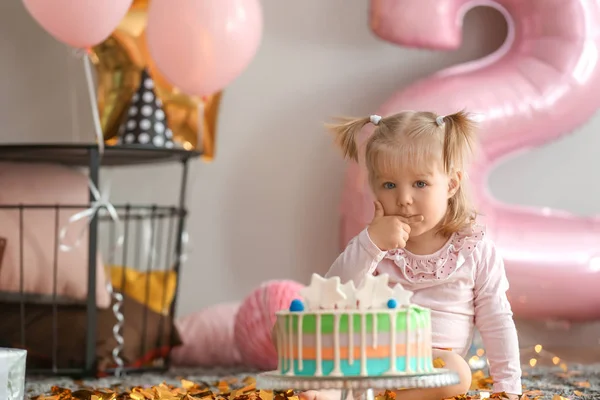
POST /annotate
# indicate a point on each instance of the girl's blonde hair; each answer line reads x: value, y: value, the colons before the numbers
x: 410, y: 138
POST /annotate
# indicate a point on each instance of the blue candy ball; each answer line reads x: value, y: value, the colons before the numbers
x: 392, y: 303
x: 296, y: 305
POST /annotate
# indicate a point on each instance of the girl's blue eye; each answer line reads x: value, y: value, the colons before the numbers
x: 389, y: 185
x: 420, y: 184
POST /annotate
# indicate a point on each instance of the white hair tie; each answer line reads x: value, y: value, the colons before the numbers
x: 440, y: 120
x: 375, y: 119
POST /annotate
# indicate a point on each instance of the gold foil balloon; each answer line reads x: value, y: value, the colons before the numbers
x: 119, y: 61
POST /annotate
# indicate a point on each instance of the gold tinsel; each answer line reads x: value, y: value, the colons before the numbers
x: 187, y: 390
x: 233, y: 389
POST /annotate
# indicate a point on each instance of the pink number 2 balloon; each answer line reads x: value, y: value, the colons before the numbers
x: 542, y: 83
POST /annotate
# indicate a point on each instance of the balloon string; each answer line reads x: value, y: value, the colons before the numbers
x: 201, y: 116
x: 116, y: 308
x: 74, y: 107
x: 87, y: 63
x: 101, y: 202
x: 185, y: 240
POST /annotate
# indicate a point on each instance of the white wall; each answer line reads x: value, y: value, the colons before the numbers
x: 262, y: 210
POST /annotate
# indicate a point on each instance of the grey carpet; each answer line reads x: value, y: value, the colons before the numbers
x: 579, y: 382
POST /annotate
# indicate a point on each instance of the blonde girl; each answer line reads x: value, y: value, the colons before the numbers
x: 424, y: 235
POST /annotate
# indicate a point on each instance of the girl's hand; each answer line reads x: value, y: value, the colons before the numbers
x: 390, y: 231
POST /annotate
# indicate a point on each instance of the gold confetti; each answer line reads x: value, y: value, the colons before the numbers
x: 188, y: 385
x: 265, y: 394
x: 223, y: 387
x: 567, y: 374
x: 479, y: 381
x: 386, y: 395
x: 438, y: 363
x: 245, y: 389
x: 533, y: 393
x: 563, y: 366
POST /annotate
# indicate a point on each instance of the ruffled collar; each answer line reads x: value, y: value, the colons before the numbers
x: 444, y: 262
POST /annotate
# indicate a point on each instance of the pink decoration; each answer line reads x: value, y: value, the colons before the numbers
x: 208, y: 339
x: 256, y: 319
x: 78, y: 23
x: 541, y: 84
x: 202, y: 46
x: 47, y: 184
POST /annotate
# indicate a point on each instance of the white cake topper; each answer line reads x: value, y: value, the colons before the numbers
x: 402, y: 295
x: 322, y: 292
x: 374, y: 292
x: 350, y: 292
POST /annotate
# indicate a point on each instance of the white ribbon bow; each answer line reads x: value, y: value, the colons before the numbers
x: 100, y: 201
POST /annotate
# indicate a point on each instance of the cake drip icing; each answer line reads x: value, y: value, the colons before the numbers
x: 411, y: 343
x: 343, y: 325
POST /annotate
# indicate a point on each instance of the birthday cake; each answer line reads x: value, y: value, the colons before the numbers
x: 341, y: 330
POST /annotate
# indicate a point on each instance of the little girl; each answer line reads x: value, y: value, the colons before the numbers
x: 424, y: 236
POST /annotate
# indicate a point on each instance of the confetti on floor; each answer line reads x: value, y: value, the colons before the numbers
x: 539, y: 384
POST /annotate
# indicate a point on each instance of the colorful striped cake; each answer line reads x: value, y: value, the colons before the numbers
x: 337, y: 330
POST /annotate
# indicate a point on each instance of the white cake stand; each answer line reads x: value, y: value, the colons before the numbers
x: 273, y: 380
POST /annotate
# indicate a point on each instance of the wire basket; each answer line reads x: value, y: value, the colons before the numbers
x: 140, y: 248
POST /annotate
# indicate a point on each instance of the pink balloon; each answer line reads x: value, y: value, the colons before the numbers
x: 540, y: 85
x: 207, y: 337
x: 202, y: 46
x: 255, y: 320
x: 78, y: 23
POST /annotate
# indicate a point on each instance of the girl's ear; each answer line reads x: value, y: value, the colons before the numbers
x: 454, y: 183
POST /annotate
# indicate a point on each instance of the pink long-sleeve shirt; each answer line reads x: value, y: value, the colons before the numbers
x: 464, y: 284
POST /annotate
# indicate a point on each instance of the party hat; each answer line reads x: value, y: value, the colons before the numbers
x: 146, y: 122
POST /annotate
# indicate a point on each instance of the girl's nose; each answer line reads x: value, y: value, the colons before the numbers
x: 404, y: 198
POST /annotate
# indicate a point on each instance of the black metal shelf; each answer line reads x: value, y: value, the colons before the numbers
x: 79, y: 154
x: 88, y: 155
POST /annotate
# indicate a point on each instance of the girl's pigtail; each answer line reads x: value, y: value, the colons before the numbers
x: 459, y: 139
x: 459, y: 144
x: 346, y: 134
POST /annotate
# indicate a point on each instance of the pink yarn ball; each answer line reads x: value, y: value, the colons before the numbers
x: 255, y: 320
x: 207, y: 337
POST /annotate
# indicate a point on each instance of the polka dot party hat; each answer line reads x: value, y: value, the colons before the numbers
x: 146, y: 122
